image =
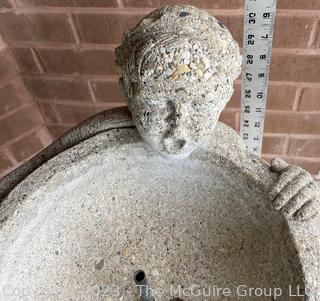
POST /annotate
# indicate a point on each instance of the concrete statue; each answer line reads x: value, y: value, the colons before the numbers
x: 160, y: 191
x: 178, y: 67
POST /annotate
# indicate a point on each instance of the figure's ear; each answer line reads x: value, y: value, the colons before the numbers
x: 122, y: 89
x: 126, y: 92
x: 118, y: 52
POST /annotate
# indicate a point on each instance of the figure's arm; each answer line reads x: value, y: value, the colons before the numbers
x: 295, y: 193
x: 101, y: 122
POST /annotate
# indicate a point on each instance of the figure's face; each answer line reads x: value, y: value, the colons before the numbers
x: 175, y: 124
x: 177, y: 94
x: 178, y: 66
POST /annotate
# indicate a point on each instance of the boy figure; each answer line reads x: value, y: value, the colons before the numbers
x: 178, y: 67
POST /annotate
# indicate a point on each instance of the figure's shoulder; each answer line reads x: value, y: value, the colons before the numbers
x: 226, y: 144
x: 226, y: 139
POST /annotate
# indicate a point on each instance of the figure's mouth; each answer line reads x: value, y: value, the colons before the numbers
x: 173, y: 147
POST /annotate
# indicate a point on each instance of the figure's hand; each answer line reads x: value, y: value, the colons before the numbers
x: 295, y: 193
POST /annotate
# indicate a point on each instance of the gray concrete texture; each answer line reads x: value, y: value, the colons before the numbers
x: 178, y: 67
x: 79, y: 218
x: 95, y: 213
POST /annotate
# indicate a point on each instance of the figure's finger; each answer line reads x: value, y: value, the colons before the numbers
x: 278, y: 165
x: 285, y: 177
x: 309, y: 209
x: 297, y: 201
x: 292, y: 188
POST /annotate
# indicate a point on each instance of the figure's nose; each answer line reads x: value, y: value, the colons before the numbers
x: 180, y: 116
x: 178, y: 139
x: 177, y: 136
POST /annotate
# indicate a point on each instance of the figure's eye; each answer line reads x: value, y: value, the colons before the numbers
x: 200, y: 105
x: 153, y: 114
x: 159, y: 104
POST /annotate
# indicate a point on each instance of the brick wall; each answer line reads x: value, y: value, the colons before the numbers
x: 22, y: 130
x: 65, y: 51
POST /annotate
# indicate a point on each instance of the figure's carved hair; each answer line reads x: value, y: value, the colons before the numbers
x: 169, y: 31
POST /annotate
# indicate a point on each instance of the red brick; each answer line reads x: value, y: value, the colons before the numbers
x: 5, y: 163
x: 19, y: 123
x: 279, y: 97
x: 5, y: 4
x: 25, y: 60
x: 234, y: 25
x: 294, y: 67
x: 22, y: 91
x: 74, y: 114
x: 298, y: 4
x: 26, y: 147
x: 222, y: 4
x: 48, y: 27
x: 107, y: 106
x: 3, y: 44
x: 289, y: 31
x: 70, y: 3
x: 58, y: 130
x: 107, y: 91
x: 229, y: 118
x: 45, y: 136
x: 8, y: 66
x: 9, y: 99
x: 104, y: 28
x: 62, y: 89
x: 309, y: 147
x: 273, y: 145
x: 236, y: 97
x: 310, y: 100
x: 68, y: 61
x: 317, y: 42
x: 48, y: 113
x: 293, y: 123
x: 312, y: 166
x: 292, y: 31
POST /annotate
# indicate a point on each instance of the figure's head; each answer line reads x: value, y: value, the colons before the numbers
x: 178, y: 67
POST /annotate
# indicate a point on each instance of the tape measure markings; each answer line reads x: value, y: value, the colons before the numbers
x: 257, y: 44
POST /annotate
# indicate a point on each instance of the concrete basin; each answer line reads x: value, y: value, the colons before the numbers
x: 202, y: 228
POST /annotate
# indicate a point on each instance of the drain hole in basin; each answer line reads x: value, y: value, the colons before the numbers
x: 139, y: 276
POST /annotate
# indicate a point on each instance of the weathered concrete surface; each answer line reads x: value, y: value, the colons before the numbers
x: 103, y: 121
x: 317, y: 219
x: 108, y: 206
x: 295, y: 193
x: 178, y: 67
x: 92, y: 215
x: 317, y: 223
